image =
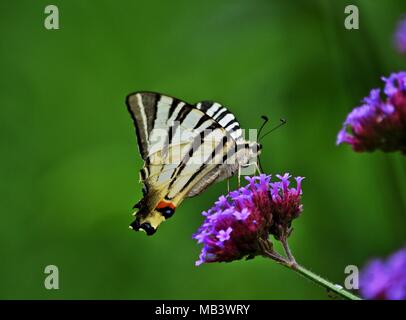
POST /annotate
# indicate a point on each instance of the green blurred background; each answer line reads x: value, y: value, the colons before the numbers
x: 69, y: 164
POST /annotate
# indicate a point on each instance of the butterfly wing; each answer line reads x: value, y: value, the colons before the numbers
x: 237, y: 153
x: 184, y: 148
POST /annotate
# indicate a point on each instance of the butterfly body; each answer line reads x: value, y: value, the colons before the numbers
x: 185, y: 148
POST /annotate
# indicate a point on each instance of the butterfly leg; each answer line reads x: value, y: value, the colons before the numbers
x: 228, y: 185
x: 239, y: 176
x: 257, y: 168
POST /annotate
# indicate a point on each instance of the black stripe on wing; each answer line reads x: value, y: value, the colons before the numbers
x: 181, y: 116
x: 203, y: 166
x: 143, y: 108
x: 195, y: 145
x: 204, y: 105
x: 219, y: 113
x: 143, y: 117
x: 219, y: 148
x: 173, y: 106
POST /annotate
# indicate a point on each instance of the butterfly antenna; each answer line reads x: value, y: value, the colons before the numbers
x: 282, y: 122
x: 265, y: 118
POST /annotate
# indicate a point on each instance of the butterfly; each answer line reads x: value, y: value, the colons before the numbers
x: 185, y: 148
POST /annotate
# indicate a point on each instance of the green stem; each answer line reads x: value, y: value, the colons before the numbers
x: 323, y: 282
x: 268, y: 251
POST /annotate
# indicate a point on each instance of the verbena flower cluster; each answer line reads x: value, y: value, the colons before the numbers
x: 400, y: 36
x: 380, y: 122
x: 385, y: 279
x: 234, y: 226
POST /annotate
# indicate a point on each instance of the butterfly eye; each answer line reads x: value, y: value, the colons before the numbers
x: 167, y: 212
x: 144, y: 190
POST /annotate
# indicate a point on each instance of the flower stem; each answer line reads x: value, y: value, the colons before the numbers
x: 269, y: 252
x: 287, y: 250
x: 323, y: 282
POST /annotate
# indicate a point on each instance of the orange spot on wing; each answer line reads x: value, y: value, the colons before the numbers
x: 164, y: 204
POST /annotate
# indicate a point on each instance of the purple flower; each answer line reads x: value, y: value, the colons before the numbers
x: 237, y: 222
x: 224, y: 235
x: 385, y: 280
x: 380, y: 122
x: 243, y: 215
x: 400, y: 36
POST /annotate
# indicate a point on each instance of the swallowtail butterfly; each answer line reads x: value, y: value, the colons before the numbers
x: 185, y: 148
